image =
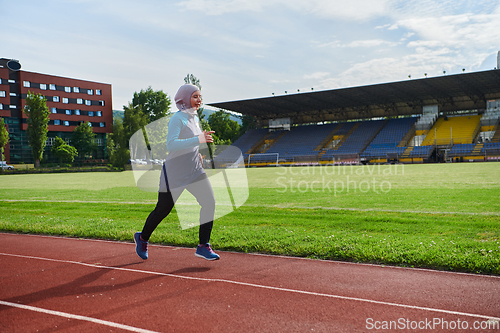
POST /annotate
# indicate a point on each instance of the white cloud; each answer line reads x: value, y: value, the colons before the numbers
x: 369, y: 72
x: 335, y: 43
x: 351, y: 10
x: 370, y: 43
x: 406, y: 36
x: 219, y: 7
x: 316, y: 76
x: 471, y: 37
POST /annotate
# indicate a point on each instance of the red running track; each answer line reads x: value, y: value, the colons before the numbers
x: 78, y: 285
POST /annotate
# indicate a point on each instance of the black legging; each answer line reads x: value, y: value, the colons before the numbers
x: 202, y: 190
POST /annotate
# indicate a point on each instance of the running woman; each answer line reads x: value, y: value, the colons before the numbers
x: 183, y: 170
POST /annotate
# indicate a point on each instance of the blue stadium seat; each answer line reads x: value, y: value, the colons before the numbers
x: 389, y: 137
x: 301, y: 141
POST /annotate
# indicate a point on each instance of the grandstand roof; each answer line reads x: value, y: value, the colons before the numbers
x: 465, y: 91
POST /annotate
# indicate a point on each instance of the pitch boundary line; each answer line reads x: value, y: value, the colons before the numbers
x: 311, y: 293
x: 77, y: 317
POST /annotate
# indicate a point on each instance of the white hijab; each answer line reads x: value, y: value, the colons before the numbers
x: 183, y: 99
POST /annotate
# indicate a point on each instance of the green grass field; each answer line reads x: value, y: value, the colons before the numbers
x: 442, y: 216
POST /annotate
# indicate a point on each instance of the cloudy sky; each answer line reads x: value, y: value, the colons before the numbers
x: 241, y: 49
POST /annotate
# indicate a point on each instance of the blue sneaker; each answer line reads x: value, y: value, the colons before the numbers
x: 141, y: 247
x: 205, y: 251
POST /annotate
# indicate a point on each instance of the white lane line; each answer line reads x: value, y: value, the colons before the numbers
x: 414, y: 307
x: 77, y: 317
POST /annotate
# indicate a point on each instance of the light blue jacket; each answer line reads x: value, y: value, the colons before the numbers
x: 183, y: 164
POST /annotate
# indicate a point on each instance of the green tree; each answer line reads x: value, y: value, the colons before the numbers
x: 110, y: 145
x: 118, y: 135
x: 205, y: 126
x: 146, y: 106
x: 247, y: 123
x: 154, y: 104
x: 225, y: 128
x: 133, y: 120
x: 63, y: 151
x: 38, y: 119
x: 191, y: 79
x: 117, y: 145
x: 4, y: 138
x: 83, y: 139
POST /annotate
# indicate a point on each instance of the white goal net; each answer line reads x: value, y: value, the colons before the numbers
x: 264, y: 158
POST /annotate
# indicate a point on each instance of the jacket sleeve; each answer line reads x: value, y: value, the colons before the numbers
x: 173, y: 142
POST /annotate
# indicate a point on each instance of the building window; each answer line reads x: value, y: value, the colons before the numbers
x: 76, y: 89
x: 52, y: 86
x: 99, y: 113
x: 53, y: 110
x: 77, y: 112
x: 65, y: 100
x: 43, y: 86
x: 68, y: 112
x: 55, y: 99
x: 12, y: 94
x: 88, y: 102
x: 79, y: 101
x: 101, y: 103
x: 57, y: 122
x: 90, y: 92
x: 26, y: 84
x: 91, y: 113
x: 66, y: 123
x: 50, y: 141
x: 102, y: 125
x: 2, y: 93
x: 98, y: 92
x: 1, y: 106
x: 12, y: 81
x: 90, y: 124
x: 99, y: 142
x: 13, y: 106
x: 67, y: 89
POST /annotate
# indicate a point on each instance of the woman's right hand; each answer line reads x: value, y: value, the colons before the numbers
x: 206, y: 137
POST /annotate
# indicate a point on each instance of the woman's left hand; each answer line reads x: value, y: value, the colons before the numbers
x: 206, y: 137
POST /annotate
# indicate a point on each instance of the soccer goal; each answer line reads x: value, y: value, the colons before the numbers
x: 264, y: 158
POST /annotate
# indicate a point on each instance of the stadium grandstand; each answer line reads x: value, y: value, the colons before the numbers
x: 452, y: 118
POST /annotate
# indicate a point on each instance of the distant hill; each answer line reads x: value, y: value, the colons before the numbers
x: 118, y: 114
x: 207, y: 111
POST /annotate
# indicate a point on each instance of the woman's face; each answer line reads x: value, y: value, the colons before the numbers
x: 196, y: 100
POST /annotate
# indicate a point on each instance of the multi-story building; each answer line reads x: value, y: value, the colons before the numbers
x: 70, y: 101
